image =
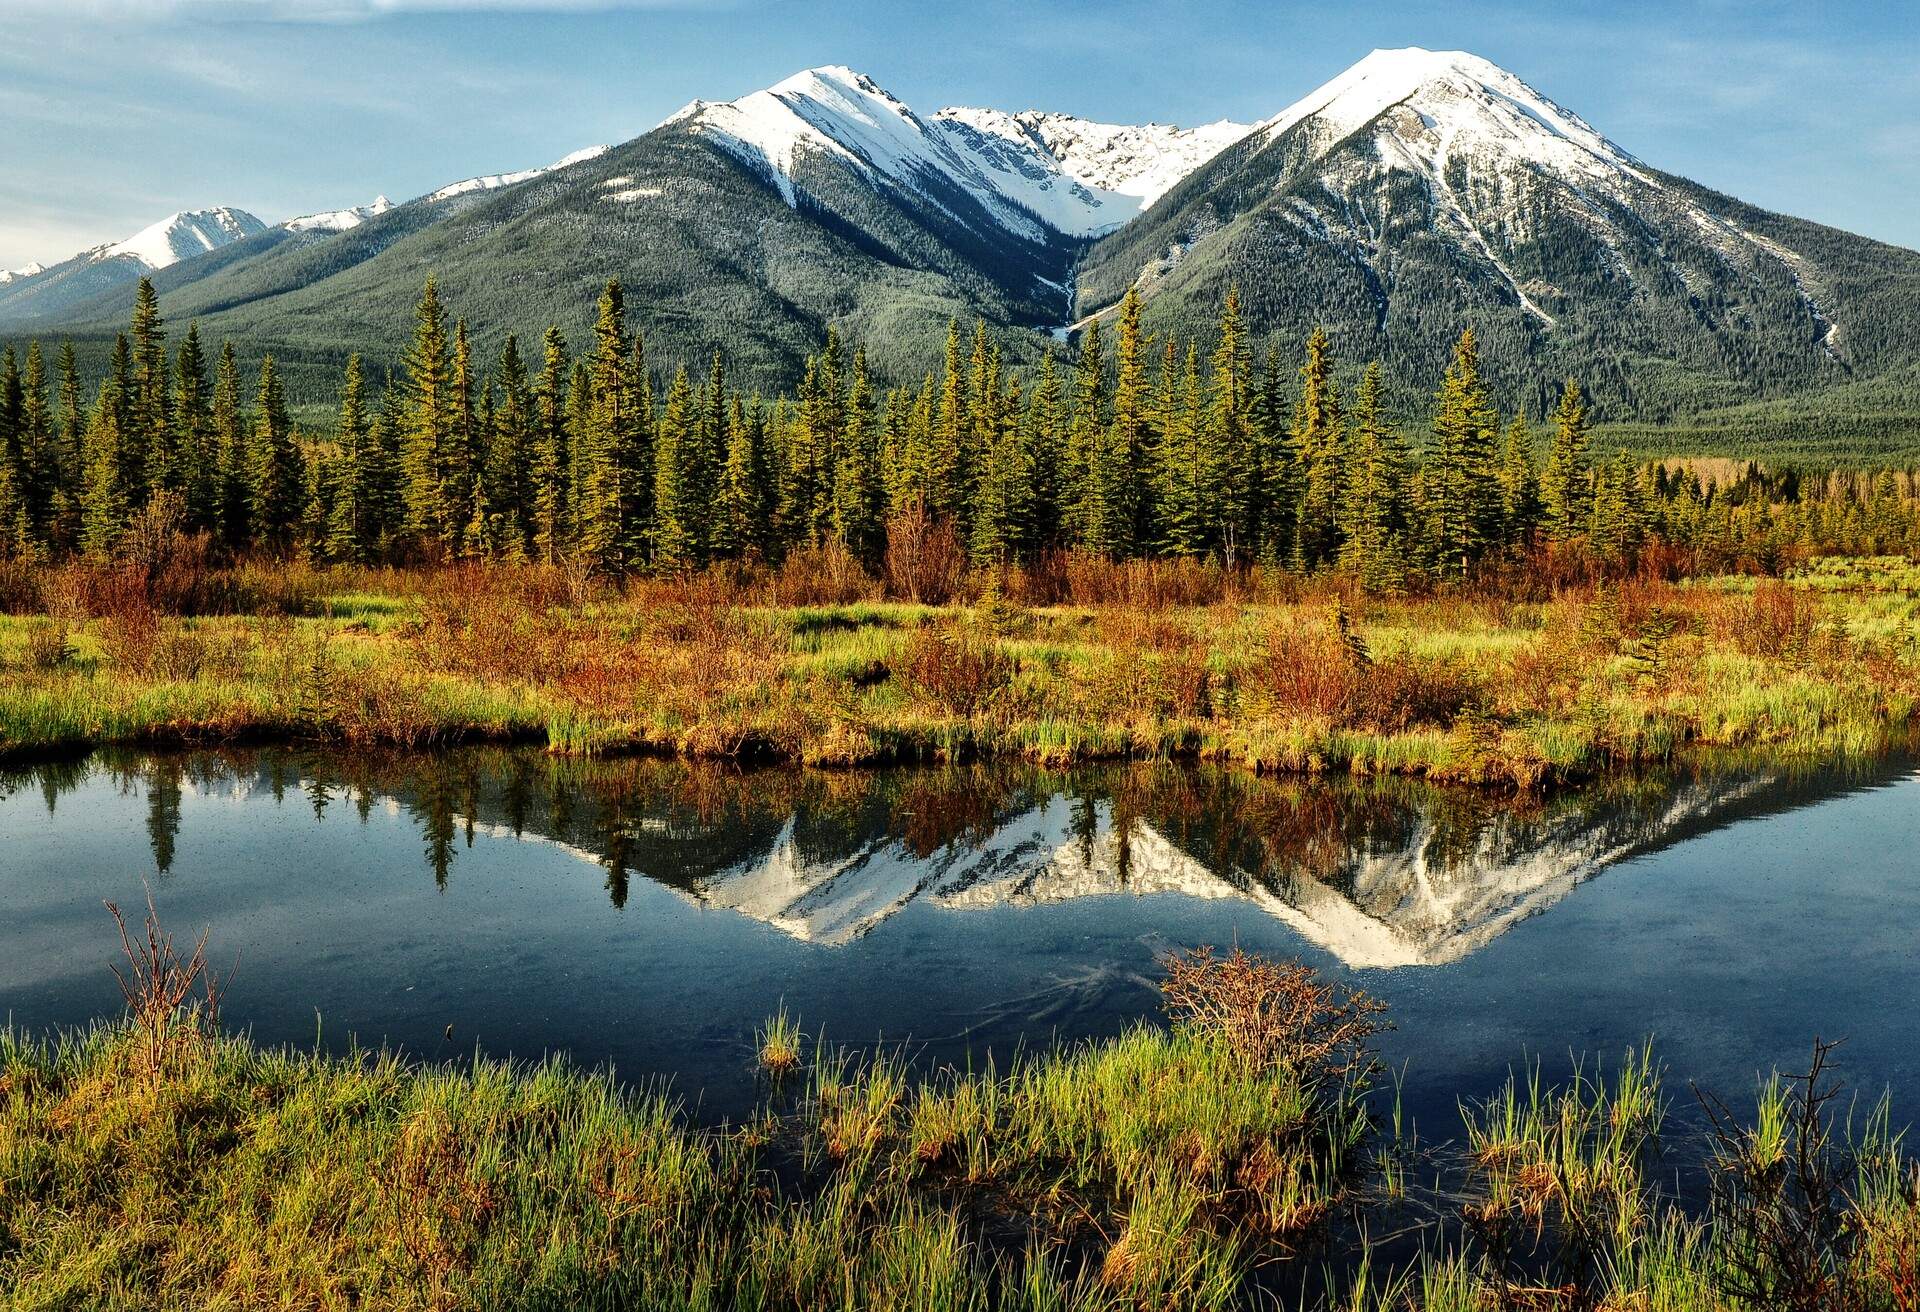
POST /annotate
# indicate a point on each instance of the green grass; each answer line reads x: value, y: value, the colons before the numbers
x: 1524, y: 693
x: 1180, y: 1169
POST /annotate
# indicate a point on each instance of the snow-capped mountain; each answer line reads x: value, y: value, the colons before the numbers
x: 1141, y: 162
x: 180, y: 235
x: 339, y: 220
x: 1415, y: 193
x: 1420, y: 190
x: 46, y: 292
x: 1029, y: 171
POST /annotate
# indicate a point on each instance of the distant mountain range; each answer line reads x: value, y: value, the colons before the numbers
x: 1415, y: 193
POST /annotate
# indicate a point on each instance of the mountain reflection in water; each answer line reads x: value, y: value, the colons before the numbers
x: 1378, y: 873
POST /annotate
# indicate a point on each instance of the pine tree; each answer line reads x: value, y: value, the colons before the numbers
x: 39, y: 448
x: 349, y: 533
x: 676, y: 543
x: 1318, y: 439
x: 149, y: 464
x: 1226, y: 453
x: 103, y: 502
x: 857, y: 494
x: 196, y: 472
x: 1374, y: 498
x: 431, y: 414
x: 1519, y: 486
x: 1464, y: 507
x: 607, y: 443
x: 1566, y: 484
x: 1085, y: 429
x: 231, y: 444
x: 510, y: 447
x: 551, y: 459
x: 277, y: 481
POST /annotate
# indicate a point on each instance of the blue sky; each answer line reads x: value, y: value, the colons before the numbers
x: 117, y: 112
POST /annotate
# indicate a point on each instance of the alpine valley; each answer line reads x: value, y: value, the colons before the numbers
x: 1416, y: 193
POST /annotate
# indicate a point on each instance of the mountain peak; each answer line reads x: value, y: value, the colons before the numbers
x: 184, y: 233
x: 1454, y: 101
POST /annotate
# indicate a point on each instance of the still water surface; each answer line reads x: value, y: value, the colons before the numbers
x: 650, y: 915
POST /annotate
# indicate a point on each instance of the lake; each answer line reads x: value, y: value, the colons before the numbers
x: 650, y: 915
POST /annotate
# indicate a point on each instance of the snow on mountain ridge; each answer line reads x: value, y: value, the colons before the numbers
x: 1143, y: 162
x: 1032, y: 172
x: 339, y: 220
x: 493, y: 181
x: 189, y: 232
x: 1490, y: 150
x: 27, y: 271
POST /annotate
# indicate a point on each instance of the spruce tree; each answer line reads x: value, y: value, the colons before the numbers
x: 510, y: 451
x: 1085, y: 427
x: 1226, y: 451
x: 551, y: 460
x: 1519, y: 486
x: 430, y: 416
x: 348, y: 531
x: 150, y: 464
x: 1566, y: 483
x: 39, y: 447
x: 947, y: 453
x: 1464, y: 508
x: 231, y: 444
x: 857, y: 494
x: 1186, y: 516
x: 277, y: 480
x: 606, y: 442
x: 16, y: 529
x: 740, y: 502
x: 1374, y: 497
x: 195, y: 470
x: 676, y: 540
x: 103, y: 501
x: 379, y: 481
x: 1002, y: 525
x: 1114, y: 507
x: 69, y: 458
x: 1046, y: 428
x: 1318, y: 440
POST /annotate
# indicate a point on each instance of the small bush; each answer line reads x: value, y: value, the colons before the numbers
x: 926, y: 561
x: 954, y: 670
x: 1274, y: 1013
x: 1778, y: 621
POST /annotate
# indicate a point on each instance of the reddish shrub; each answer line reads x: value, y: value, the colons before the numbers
x: 953, y: 670
x: 1777, y: 621
x: 926, y: 561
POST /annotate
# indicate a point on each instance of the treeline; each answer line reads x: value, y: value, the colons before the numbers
x: 1133, y: 448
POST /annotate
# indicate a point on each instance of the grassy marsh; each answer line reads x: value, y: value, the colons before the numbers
x: 1275, y: 676
x: 1245, y: 1154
